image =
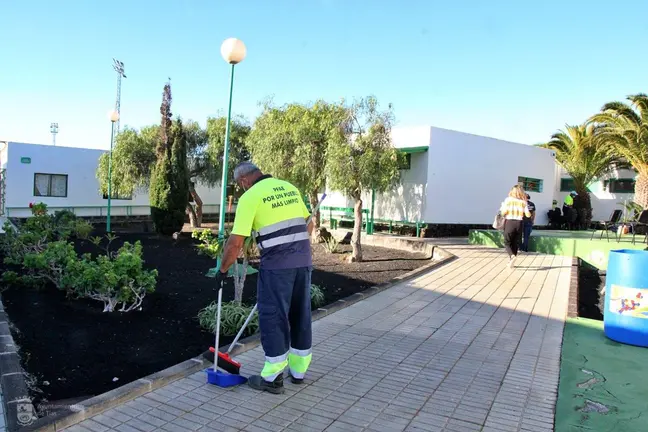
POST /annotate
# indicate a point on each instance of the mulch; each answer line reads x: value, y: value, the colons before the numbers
x: 72, y: 350
x: 590, y: 283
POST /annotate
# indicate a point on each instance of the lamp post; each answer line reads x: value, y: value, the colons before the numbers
x: 233, y: 52
x: 114, y: 118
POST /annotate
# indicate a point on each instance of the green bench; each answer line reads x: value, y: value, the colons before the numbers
x: 337, y: 214
x: 394, y: 223
x: 346, y: 214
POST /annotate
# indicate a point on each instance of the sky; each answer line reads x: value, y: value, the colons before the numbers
x: 509, y: 69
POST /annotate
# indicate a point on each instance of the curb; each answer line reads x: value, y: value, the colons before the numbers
x: 572, y: 306
x: 132, y: 390
x: 15, y: 395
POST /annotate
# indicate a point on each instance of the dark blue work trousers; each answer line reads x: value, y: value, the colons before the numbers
x: 528, y: 227
x: 284, y: 304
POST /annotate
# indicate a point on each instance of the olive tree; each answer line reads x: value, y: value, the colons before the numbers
x: 292, y: 142
x: 365, y: 160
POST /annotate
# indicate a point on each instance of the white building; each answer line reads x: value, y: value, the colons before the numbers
x: 607, y: 194
x: 459, y: 178
x: 450, y: 178
x: 65, y: 178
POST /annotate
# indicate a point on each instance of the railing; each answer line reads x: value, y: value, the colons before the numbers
x: 102, y: 210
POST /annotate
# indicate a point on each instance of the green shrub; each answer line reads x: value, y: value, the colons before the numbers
x: 210, y: 244
x: 233, y: 316
x: 317, y: 296
x: 116, y: 281
x: 10, y: 277
x: 82, y: 229
x: 41, y: 249
x: 331, y: 245
x: 51, y: 264
x: 39, y: 230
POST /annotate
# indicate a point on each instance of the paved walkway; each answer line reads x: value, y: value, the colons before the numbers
x: 471, y: 346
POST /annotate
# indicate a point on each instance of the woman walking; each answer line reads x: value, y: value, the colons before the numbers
x: 513, y: 210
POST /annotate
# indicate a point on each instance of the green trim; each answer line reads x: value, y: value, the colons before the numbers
x: 78, y: 207
x: 343, y: 209
x: 422, y: 149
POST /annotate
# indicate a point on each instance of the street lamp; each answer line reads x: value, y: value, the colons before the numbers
x: 233, y: 52
x: 114, y: 118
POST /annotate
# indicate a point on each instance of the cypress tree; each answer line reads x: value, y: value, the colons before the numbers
x: 169, y: 186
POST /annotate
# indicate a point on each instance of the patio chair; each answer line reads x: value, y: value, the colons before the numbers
x: 642, y: 221
x: 615, y: 217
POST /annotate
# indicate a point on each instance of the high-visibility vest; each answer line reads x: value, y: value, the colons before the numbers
x: 276, y: 211
x: 569, y: 201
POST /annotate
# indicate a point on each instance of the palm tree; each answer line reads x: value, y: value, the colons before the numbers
x: 624, y: 127
x: 578, y: 153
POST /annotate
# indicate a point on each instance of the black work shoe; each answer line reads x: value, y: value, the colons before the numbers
x: 295, y: 380
x: 275, y: 387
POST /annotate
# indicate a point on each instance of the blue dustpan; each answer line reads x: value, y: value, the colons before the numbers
x: 224, y: 379
x: 215, y: 376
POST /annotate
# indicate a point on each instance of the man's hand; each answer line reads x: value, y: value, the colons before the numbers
x: 220, y: 277
x: 232, y: 250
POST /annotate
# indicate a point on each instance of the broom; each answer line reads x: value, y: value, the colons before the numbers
x: 224, y: 360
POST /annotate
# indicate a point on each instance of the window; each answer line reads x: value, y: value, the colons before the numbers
x: 566, y: 185
x: 530, y: 184
x: 406, y: 162
x: 50, y: 185
x: 619, y: 185
x: 117, y: 196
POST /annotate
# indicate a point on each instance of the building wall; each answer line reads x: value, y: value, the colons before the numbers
x: 603, y: 201
x: 461, y: 179
x: 83, y: 195
x: 469, y: 176
x: 406, y: 202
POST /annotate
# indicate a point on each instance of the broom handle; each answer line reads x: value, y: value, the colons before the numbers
x: 218, y: 317
x: 247, y: 321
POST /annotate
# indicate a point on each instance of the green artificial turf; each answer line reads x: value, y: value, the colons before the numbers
x: 603, y: 384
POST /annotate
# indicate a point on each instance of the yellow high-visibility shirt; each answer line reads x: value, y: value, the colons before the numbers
x: 275, y: 210
x: 569, y: 201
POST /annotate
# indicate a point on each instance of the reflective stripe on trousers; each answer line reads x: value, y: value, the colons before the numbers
x: 274, y: 366
x: 298, y: 362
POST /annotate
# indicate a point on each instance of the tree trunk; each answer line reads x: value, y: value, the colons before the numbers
x: 192, y: 216
x: 199, y: 205
x: 585, y: 206
x: 316, y: 216
x: 641, y: 190
x: 356, y: 245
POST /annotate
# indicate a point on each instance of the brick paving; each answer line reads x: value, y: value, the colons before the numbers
x: 470, y: 346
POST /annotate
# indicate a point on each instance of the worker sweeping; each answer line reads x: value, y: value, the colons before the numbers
x: 275, y: 210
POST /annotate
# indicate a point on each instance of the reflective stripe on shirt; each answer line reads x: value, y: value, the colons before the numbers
x: 284, y: 239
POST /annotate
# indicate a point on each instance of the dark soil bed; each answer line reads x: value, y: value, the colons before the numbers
x: 71, y: 349
x: 590, y: 283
